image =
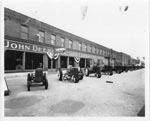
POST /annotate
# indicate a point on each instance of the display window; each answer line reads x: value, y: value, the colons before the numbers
x: 32, y: 60
x: 63, y: 61
x: 71, y: 61
x: 13, y: 60
x: 82, y: 63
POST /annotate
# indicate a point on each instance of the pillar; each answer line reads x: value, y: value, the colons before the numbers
x: 85, y: 63
x: 45, y: 62
x: 67, y: 61
x: 51, y: 63
x: 23, y: 60
x: 58, y: 62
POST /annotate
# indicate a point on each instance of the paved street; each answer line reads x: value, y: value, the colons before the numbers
x: 90, y: 97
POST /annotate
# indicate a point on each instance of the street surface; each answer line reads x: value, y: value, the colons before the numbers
x: 90, y: 97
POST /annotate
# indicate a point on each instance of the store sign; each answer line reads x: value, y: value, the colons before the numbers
x: 60, y: 50
x: 26, y: 47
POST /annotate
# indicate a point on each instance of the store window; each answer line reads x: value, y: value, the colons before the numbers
x: 62, y: 42
x: 63, y: 61
x: 41, y: 36
x: 88, y: 62
x: 49, y: 63
x: 54, y: 63
x: 24, y: 32
x: 71, y: 61
x: 53, y: 39
x: 13, y: 60
x: 70, y: 44
x: 33, y: 60
x: 82, y: 63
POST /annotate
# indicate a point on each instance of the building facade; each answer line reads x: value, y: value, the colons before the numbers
x: 28, y: 40
x: 125, y: 59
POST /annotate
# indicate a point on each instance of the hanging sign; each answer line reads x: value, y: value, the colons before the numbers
x: 50, y: 54
x: 60, y: 50
x: 77, y: 59
x: 56, y: 56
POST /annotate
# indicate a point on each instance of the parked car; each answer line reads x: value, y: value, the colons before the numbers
x: 72, y: 74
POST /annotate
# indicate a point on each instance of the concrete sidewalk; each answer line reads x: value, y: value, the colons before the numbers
x: 23, y: 74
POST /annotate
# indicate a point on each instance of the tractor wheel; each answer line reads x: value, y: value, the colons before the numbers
x: 44, y: 78
x: 87, y: 72
x: 28, y: 77
x: 98, y: 75
x: 28, y: 82
x: 60, y: 75
x: 28, y: 85
x: 111, y: 73
x: 75, y: 79
x: 46, y: 84
x: 81, y: 78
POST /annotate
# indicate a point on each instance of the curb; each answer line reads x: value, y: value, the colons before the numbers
x: 18, y: 75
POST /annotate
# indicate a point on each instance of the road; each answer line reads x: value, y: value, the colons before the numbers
x: 90, y: 97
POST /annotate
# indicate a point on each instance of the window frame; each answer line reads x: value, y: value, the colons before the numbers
x: 62, y: 42
x: 90, y: 48
x: 24, y: 32
x: 43, y: 36
x: 80, y: 46
x: 70, y: 44
x: 85, y: 47
x: 53, y: 41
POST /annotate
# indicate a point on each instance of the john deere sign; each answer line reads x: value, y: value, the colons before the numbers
x: 26, y: 47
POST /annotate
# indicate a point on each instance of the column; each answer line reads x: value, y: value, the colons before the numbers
x: 85, y: 63
x: 51, y: 63
x: 23, y: 60
x: 45, y: 62
x: 58, y: 62
x: 67, y: 61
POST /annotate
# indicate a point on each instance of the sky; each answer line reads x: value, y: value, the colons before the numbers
x: 105, y: 21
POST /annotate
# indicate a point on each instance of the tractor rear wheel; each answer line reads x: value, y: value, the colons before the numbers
x: 60, y: 75
x: 75, y: 79
x: 87, y: 72
x: 46, y: 84
x: 28, y: 85
x: 98, y: 75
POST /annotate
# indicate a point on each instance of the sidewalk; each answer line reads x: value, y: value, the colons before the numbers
x: 22, y: 74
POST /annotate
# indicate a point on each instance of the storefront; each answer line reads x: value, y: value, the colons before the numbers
x: 25, y: 56
x: 21, y: 56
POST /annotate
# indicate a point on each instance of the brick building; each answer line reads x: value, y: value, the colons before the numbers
x: 125, y: 59
x: 28, y: 40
